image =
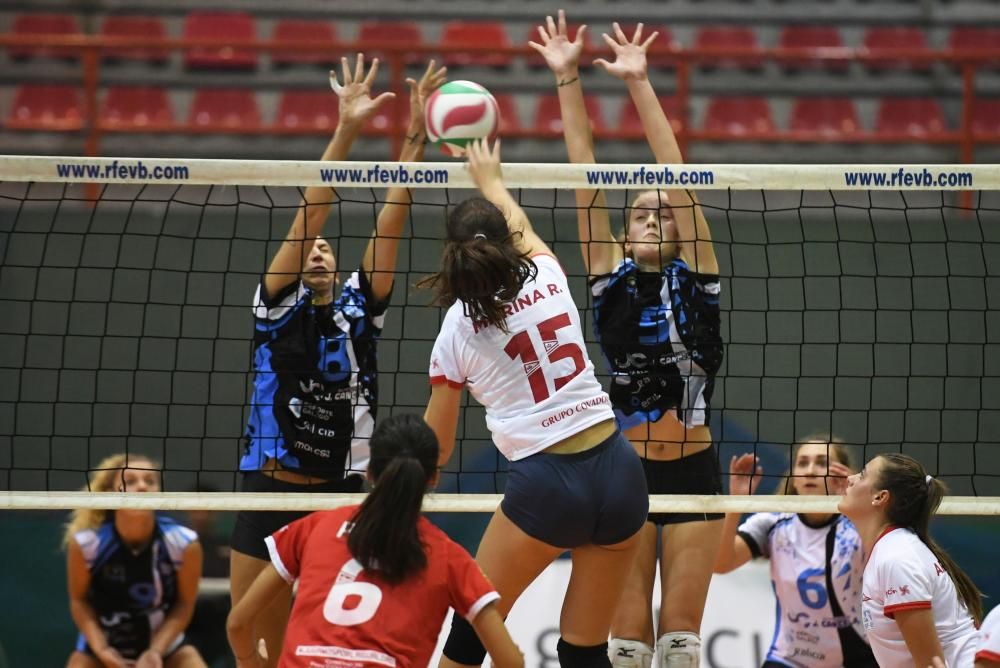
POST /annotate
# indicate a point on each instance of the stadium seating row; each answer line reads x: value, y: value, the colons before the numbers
x: 455, y: 34
x: 57, y: 107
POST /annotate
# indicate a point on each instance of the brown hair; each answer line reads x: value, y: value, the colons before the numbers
x: 913, y: 500
x: 481, y: 265
x: 107, y: 476
x: 385, y: 536
x: 836, y: 450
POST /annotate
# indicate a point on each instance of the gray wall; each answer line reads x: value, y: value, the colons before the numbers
x: 127, y: 324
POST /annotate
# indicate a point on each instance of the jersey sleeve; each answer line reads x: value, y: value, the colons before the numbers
x: 906, y: 585
x: 468, y: 588
x: 756, y: 533
x: 286, y: 546
x: 270, y: 312
x: 988, y: 647
x: 445, y: 365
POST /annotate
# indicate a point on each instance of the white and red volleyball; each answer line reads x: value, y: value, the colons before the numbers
x: 459, y: 112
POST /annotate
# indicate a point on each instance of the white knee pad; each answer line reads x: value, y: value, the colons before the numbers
x: 629, y: 654
x: 678, y: 650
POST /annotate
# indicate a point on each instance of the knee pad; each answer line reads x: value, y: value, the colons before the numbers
x: 463, y: 645
x: 678, y: 650
x: 576, y: 656
x: 629, y: 654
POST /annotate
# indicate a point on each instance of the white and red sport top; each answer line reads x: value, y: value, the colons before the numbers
x: 903, y: 574
x: 536, y: 382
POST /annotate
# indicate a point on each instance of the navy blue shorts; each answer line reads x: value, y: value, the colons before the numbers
x: 593, y: 497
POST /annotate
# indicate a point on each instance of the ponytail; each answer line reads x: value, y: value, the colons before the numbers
x: 914, y: 499
x: 385, y: 536
x: 481, y: 266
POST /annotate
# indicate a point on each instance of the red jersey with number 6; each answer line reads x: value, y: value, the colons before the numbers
x: 535, y: 381
x: 347, y: 617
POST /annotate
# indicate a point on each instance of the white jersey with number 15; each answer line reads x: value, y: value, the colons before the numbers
x: 536, y: 381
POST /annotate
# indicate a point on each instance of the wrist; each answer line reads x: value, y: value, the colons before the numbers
x: 566, y: 73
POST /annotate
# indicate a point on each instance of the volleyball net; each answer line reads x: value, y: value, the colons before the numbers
x: 861, y: 301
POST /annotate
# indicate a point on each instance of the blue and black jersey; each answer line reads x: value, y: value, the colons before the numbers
x: 316, y: 379
x: 660, y: 335
x: 132, y: 592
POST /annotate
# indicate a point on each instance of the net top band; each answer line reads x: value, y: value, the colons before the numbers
x: 158, y: 171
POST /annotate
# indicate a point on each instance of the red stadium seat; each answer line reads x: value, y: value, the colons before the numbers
x: 146, y: 27
x: 738, y: 116
x: 44, y: 24
x: 912, y: 116
x: 304, y: 30
x: 310, y: 109
x: 392, y: 32
x: 220, y: 25
x: 128, y: 107
x: 811, y: 37
x: 225, y: 109
x: 46, y: 107
x: 986, y: 116
x: 728, y: 37
x: 549, y: 120
x: 629, y: 118
x: 510, y: 121
x: 831, y: 116
x: 459, y: 34
x: 877, y: 39
x: 535, y: 60
x: 972, y: 39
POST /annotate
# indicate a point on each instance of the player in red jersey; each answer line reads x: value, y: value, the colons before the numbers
x: 375, y: 580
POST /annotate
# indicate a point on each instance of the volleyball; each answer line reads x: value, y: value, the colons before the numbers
x: 459, y: 112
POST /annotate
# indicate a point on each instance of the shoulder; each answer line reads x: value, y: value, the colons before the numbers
x: 97, y: 545
x: 176, y: 536
x: 601, y: 282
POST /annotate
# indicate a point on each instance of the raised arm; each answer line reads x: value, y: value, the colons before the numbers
x: 695, y: 237
x: 744, y: 477
x: 379, y: 261
x: 356, y: 107
x: 601, y: 252
x: 484, y: 165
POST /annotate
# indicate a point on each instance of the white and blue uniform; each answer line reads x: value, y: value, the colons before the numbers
x: 816, y: 573
x: 316, y: 380
x: 132, y: 592
x: 660, y: 335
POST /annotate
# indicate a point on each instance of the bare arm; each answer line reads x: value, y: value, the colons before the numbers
x: 695, y: 237
x: 180, y: 614
x: 743, y: 479
x: 239, y: 625
x: 494, y: 636
x: 920, y: 635
x: 601, y: 252
x: 442, y: 416
x: 379, y: 262
x: 83, y: 614
x: 356, y: 107
x: 484, y: 165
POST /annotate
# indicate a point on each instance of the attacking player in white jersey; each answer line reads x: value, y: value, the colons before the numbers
x: 816, y: 561
x: 512, y: 336
x: 988, y: 647
x: 917, y: 604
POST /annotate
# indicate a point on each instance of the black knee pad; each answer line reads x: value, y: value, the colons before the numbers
x: 463, y: 645
x: 575, y: 656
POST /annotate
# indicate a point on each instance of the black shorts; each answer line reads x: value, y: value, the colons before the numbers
x: 593, y: 497
x: 694, y: 474
x: 253, y: 526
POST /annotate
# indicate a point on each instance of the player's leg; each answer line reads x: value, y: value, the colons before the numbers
x: 595, y: 586
x: 186, y: 656
x: 511, y: 559
x: 631, y: 644
x: 687, y: 555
